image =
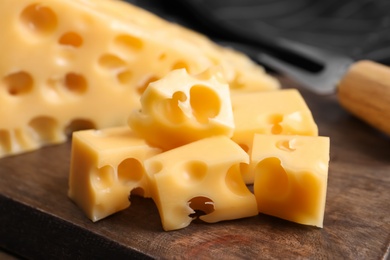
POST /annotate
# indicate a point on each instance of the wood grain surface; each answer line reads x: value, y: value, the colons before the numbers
x: 39, y: 221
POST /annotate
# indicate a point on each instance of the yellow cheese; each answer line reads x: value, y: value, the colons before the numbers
x: 181, y: 108
x: 281, y: 112
x: 106, y: 166
x: 203, y: 175
x: 68, y: 65
x: 291, y: 175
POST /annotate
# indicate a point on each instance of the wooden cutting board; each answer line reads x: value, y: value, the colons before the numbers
x: 38, y: 220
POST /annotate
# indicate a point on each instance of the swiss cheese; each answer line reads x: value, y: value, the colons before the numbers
x: 291, y: 174
x: 181, y: 108
x: 68, y: 65
x: 203, y: 175
x: 281, y: 112
x: 106, y: 166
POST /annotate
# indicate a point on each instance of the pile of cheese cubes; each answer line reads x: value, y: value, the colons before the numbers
x: 196, y: 145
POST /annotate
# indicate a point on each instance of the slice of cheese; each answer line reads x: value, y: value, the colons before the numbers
x: 181, y: 108
x: 281, y: 112
x: 203, y: 175
x: 106, y: 166
x: 291, y: 175
x: 68, y: 65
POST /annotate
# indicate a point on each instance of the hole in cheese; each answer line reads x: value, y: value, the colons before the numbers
x: 130, y: 170
x: 71, y: 39
x: 111, y: 62
x: 78, y: 124
x: 234, y: 180
x: 271, y: 179
x: 181, y: 65
x: 275, y: 121
x: 128, y: 43
x: 193, y: 171
x: 103, y: 178
x: 125, y: 77
x: 201, y: 206
x: 5, y: 142
x: 205, y: 103
x: 170, y: 108
x: 138, y: 191
x: 286, y: 145
x: 39, y: 19
x: 18, y: 83
x: 75, y: 83
x: 45, y: 128
x: 142, y: 87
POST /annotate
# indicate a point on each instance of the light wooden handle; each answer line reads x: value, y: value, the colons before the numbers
x: 365, y: 92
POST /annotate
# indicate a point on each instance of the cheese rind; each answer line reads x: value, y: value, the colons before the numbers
x: 291, y: 175
x: 182, y: 108
x: 70, y: 65
x: 203, y: 175
x: 281, y: 112
x: 106, y: 166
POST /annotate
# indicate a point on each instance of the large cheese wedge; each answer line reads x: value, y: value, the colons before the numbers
x: 106, y: 167
x: 181, y: 108
x: 291, y: 175
x: 200, y: 176
x: 281, y: 112
x: 69, y: 65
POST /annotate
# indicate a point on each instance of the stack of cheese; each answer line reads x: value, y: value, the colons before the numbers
x: 70, y: 65
x: 195, y: 144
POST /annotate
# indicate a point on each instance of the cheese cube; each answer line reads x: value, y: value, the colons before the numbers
x: 203, y: 175
x: 106, y: 166
x: 181, y: 108
x: 70, y: 65
x: 282, y: 112
x: 291, y: 175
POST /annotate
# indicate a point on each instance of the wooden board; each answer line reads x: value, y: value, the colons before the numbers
x: 38, y: 220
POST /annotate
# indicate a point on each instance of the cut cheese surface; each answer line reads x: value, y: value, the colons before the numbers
x: 281, y: 112
x: 106, y: 166
x: 203, y: 175
x: 181, y: 108
x: 291, y: 174
x: 69, y: 65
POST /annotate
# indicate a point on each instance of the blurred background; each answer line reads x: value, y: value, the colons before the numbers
x: 357, y: 28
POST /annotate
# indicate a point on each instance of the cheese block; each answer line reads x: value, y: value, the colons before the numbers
x: 280, y: 112
x: 180, y: 108
x: 200, y: 176
x: 70, y: 65
x: 291, y: 175
x: 106, y: 167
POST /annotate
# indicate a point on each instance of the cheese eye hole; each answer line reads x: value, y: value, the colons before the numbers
x: 170, y: 107
x: 205, y: 103
x: 275, y: 121
x: 125, y: 77
x: 103, y: 178
x: 181, y: 65
x: 272, y: 178
x: 128, y: 42
x: 194, y: 171
x: 75, y: 83
x: 78, y: 124
x: 39, y: 19
x: 71, y: 39
x: 234, y: 180
x: 5, y: 141
x: 45, y: 128
x: 130, y: 170
x: 18, y: 83
x: 286, y: 145
x: 201, y: 206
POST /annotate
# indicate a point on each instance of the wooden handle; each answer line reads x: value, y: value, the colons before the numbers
x: 365, y: 92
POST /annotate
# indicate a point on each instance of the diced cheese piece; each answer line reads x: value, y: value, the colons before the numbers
x: 203, y: 175
x: 106, y: 166
x: 67, y: 65
x: 282, y: 112
x: 291, y: 175
x: 181, y: 108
